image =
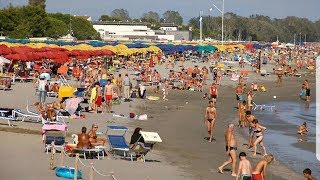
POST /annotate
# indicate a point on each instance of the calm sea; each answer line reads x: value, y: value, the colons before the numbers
x: 282, y: 140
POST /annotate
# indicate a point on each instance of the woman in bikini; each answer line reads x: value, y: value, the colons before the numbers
x: 258, y: 130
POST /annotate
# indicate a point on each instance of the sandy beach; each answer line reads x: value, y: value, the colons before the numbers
x: 183, y: 154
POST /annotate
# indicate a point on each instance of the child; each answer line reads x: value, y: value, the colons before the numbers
x: 245, y: 169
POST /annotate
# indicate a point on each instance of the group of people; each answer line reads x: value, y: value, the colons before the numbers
x: 245, y: 170
x: 89, y: 140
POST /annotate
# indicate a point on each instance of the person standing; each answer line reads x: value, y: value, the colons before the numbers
x: 231, y: 147
x: 245, y: 169
x: 98, y: 101
x: 259, y: 130
x: 213, y: 92
x: 239, y: 91
x: 210, y: 118
x: 307, y: 85
x: 42, y: 88
x: 119, y: 86
x: 250, y: 119
x: 108, y: 91
x: 242, y: 114
x: 126, y: 83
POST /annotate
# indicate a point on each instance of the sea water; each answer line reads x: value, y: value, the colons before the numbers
x: 281, y: 138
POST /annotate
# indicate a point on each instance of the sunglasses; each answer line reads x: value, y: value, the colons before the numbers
x: 95, y: 127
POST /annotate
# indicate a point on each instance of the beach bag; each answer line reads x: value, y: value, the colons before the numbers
x: 134, y: 94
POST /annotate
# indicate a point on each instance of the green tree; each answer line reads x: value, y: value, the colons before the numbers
x: 151, y: 16
x: 108, y: 18
x: 173, y: 17
x: 121, y: 14
x: 41, y: 3
x: 56, y: 28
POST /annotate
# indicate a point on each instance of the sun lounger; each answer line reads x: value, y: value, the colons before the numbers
x: 257, y: 107
x: 16, y: 113
x: 117, y: 140
x: 57, y: 137
x: 4, y: 117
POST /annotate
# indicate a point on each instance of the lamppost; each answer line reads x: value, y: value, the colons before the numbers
x: 200, y: 27
x: 222, y: 16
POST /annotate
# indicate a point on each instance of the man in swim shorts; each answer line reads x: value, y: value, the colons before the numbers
x: 260, y: 171
x: 250, y: 118
x: 239, y: 91
x: 307, y: 174
x: 108, y: 92
x: 209, y: 119
x: 231, y: 147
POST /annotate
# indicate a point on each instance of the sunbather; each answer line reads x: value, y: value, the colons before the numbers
x: 84, y: 139
x: 94, y: 138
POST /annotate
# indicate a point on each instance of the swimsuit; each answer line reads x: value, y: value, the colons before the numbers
x: 239, y: 97
x: 99, y: 101
x: 245, y: 177
x: 108, y: 97
x: 231, y: 148
x: 256, y: 176
x: 210, y: 120
x: 257, y: 131
x: 251, y: 130
x: 307, y: 92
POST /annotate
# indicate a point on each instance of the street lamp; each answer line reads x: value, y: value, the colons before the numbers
x: 222, y: 16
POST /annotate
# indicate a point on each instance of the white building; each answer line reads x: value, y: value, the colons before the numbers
x: 123, y: 31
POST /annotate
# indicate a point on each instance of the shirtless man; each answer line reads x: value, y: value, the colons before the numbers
x: 250, y: 119
x: 108, y: 92
x: 260, y: 171
x: 307, y: 174
x: 231, y: 147
x: 242, y: 114
x: 245, y: 169
x: 119, y: 85
x: 83, y: 139
x: 93, y: 137
x: 210, y: 118
x: 239, y: 92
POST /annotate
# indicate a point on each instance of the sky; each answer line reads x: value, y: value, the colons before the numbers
x: 187, y: 8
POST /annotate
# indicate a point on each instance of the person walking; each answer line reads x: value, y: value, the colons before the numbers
x: 127, y: 84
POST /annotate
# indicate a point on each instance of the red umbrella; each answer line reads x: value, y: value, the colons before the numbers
x: 4, y: 50
x: 17, y: 57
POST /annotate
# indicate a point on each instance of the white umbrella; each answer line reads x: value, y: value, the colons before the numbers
x: 4, y: 60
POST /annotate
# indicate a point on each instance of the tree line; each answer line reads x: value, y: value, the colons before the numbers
x: 33, y: 21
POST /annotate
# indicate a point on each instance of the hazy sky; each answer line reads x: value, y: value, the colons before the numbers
x: 188, y: 8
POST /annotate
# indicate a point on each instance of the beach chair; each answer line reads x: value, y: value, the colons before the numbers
x: 16, y: 113
x: 57, y: 137
x: 117, y: 142
x: 257, y: 107
x: 150, y: 139
x: 139, y: 149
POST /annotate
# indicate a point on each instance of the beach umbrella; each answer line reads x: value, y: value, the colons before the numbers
x: 17, y: 57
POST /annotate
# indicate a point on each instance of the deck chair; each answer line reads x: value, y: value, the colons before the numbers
x: 118, y: 144
x: 58, y: 137
x: 257, y: 107
x: 139, y: 149
x: 18, y: 113
x: 8, y: 119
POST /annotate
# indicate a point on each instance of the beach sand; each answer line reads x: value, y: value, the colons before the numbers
x: 183, y: 154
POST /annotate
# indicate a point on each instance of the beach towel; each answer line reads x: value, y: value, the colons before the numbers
x: 153, y: 98
x: 72, y: 104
